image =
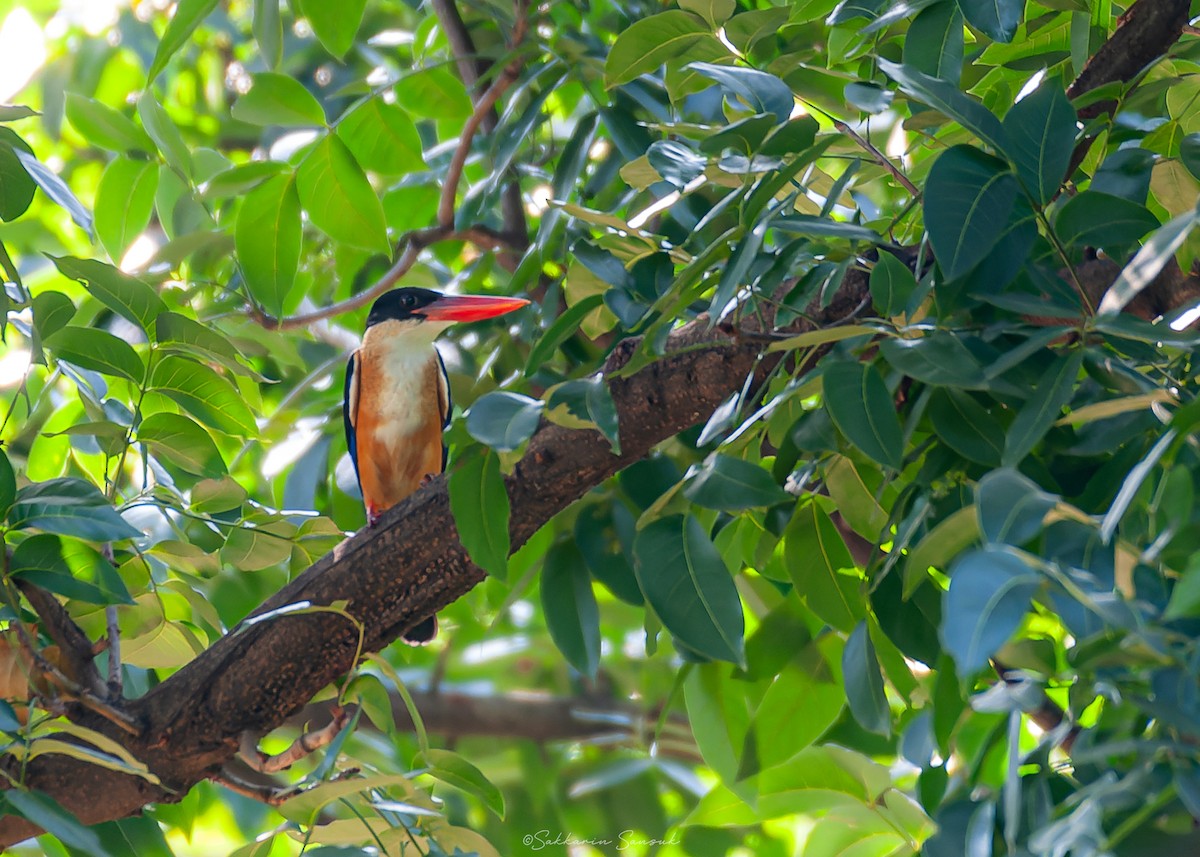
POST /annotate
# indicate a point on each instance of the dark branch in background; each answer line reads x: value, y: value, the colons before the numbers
x: 412, y: 564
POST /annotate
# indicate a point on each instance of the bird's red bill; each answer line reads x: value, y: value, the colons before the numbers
x: 470, y: 307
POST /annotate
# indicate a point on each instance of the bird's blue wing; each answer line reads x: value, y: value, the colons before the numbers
x: 350, y: 412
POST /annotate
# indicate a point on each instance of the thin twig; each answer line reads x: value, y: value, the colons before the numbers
x: 69, y: 637
x: 306, y: 744
x: 877, y: 156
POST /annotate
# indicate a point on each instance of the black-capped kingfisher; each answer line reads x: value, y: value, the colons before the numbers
x: 397, y: 398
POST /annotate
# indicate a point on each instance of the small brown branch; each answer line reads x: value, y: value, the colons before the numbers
x: 487, y: 102
x: 73, y: 643
x: 878, y: 157
x: 114, y: 652
x: 306, y: 744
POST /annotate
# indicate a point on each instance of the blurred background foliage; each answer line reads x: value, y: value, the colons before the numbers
x: 791, y: 618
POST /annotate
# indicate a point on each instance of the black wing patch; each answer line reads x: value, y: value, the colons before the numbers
x: 350, y: 412
x: 444, y: 401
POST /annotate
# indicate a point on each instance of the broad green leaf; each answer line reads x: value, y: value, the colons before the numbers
x: 504, y: 420
x: 967, y: 202
x: 249, y: 549
x: 563, y: 328
x: 164, y: 133
x: 167, y: 645
x: 934, y: 43
x: 719, y: 715
x: 892, y: 284
x: 1041, y: 410
x: 588, y: 401
x: 203, y: 393
x: 762, y: 92
x: 335, y: 24
x: 382, y: 138
x: 236, y: 181
x: 267, y: 237
x: 649, y: 42
x: 998, y: 19
x: 1185, y: 595
x: 1041, y: 133
x: 69, y: 507
x: 802, y: 702
x: 51, y: 312
x: 1011, y: 507
x: 861, y: 407
x: 940, y: 546
x: 188, y: 15
x: 570, y: 607
x: 102, y: 126
x: 1149, y: 261
x: 55, y: 188
x: 713, y: 11
x: 733, y: 276
x: 989, y: 595
x: 98, y: 350
x: 276, y: 99
x: 180, y: 441
x: 124, y: 202
x: 210, y: 496
x: 454, y: 769
x: 43, y: 811
x: 125, y: 295
x: 13, y: 112
x: 854, y: 500
x: 822, y: 569
x: 950, y: 101
x: 434, y: 93
x: 939, y: 359
x: 864, y: 683
x: 339, y: 199
x: 268, y: 31
x: 688, y: 586
x: 731, y: 485
x: 966, y: 426
x: 8, y: 484
x: 823, y: 227
x: 1094, y: 219
x: 303, y: 807
x: 822, y: 336
x: 597, y: 540
x: 479, y: 502
x: 868, y: 97
x: 69, y: 568
x: 16, y: 187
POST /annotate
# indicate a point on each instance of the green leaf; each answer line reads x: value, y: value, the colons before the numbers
x: 950, y: 101
x: 864, y: 683
x: 686, y: 583
x: 891, y: 284
x: 934, y: 42
x: 188, y: 15
x: 452, y: 768
x: 267, y: 238
x: 13, y: 112
x: 1093, y: 219
x: 180, y: 441
x: 55, y: 188
x: 70, y: 569
x: 339, y: 199
x: 998, y: 19
x: 335, y: 24
x: 210, y: 496
x: 249, y: 549
x: 823, y: 227
x: 817, y: 560
x: 45, y: 812
x: 939, y: 359
x: 203, y: 393
x: 1185, y: 596
x: 165, y: 135
x: 569, y: 605
x: 798, y: 707
x: 862, y: 409
x: 98, y: 350
x: 124, y: 202
x: 8, y: 484
x: 965, y: 426
x: 276, y: 99
x: 16, y: 187
x: 43, y: 506
x: 268, y: 31
x: 734, y: 275
x: 236, y: 181
x: 868, y: 97
x: 713, y: 11
x: 434, y: 93
x: 989, y: 595
x: 479, y: 502
x: 854, y: 500
x: 1040, y: 411
x: 649, y: 42
x: 967, y: 202
x: 731, y: 485
x: 102, y: 126
x: 563, y: 328
x: 1149, y: 261
x: 382, y: 138
x: 1041, y: 136
x: 588, y: 401
x: 125, y: 295
x: 1132, y: 482
x: 943, y: 543
x: 1011, y: 507
x: 762, y: 92
x: 504, y: 420
x: 51, y: 312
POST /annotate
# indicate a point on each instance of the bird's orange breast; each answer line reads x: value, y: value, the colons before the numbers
x: 398, y: 426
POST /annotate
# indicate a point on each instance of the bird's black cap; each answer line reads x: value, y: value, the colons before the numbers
x: 401, y: 304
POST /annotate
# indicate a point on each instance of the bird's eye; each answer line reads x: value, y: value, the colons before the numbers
x: 408, y: 301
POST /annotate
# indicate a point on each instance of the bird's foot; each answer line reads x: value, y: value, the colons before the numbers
x: 426, y: 479
x: 373, y: 516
